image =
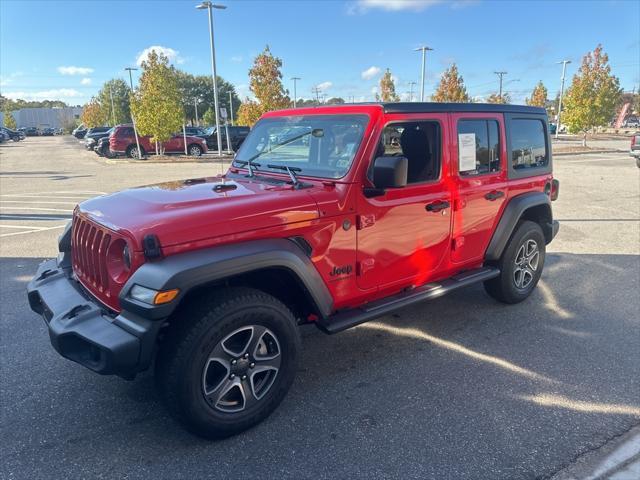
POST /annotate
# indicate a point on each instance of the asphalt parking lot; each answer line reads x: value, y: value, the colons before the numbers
x: 461, y: 388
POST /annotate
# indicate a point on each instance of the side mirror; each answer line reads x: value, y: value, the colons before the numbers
x: 390, y: 172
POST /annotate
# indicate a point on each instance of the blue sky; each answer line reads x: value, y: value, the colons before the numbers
x: 66, y: 50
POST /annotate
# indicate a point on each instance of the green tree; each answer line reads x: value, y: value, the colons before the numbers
x: 121, y: 93
x: 93, y: 115
x: 9, y: 121
x: 496, y: 98
x: 335, y: 101
x: 538, y: 96
x: 156, y: 104
x: 593, y: 96
x: 387, y: 89
x: 200, y: 88
x: 451, y: 87
x: 209, y: 117
x: 265, y: 82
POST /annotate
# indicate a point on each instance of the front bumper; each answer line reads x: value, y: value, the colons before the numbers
x: 82, y: 330
x: 555, y: 226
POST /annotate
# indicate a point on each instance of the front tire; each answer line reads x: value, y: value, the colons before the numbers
x: 194, y: 150
x: 227, y: 363
x: 132, y: 151
x: 520, y: 266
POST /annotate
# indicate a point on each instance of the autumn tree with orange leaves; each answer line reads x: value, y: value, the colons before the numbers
x: 451, y: 87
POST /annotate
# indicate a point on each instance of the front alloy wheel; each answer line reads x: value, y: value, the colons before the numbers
x: 241, y: 369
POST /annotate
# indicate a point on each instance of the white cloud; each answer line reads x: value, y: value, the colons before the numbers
x: 58, y: 94
x: 370, y: 73
x: 75, y: 70
x: 8, y: 79
x: 236, y: 59
x: 362, y: 6
x: 170, y: 53
x: 85, y: 81
x: 324, y: 86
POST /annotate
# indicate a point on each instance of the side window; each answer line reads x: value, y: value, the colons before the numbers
x: 478, y: 147
x: 419, y: 142
x: 528, y: 143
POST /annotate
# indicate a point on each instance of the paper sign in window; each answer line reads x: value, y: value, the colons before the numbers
x: 466, y: 152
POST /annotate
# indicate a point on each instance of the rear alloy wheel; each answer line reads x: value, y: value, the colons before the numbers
x: 228, y: 362
x: 195, y: 150
x: 132, y: 152
x: 520, y: 265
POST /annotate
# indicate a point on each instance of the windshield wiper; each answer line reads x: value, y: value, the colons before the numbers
x: 290, y: 171
x: 250, y: 165
x: 250, y: 160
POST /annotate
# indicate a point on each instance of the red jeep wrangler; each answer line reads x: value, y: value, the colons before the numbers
x: 332, y: 216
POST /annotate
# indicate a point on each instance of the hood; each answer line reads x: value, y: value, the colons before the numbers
x: 188, y: 211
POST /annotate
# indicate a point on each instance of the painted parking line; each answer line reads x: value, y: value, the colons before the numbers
x: 42, y: 229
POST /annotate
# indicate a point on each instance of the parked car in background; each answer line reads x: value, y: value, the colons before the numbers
x: 31, y: 132
x: 236, y: 133
x: 634, y: 150
x: 101, y: 148
x: 631, y: 122
x: 3, y: 136
x: 79, y: 132
x: 48, y: 132
x: 123, y: 142
x: 94, y: 134
x: 14, y: 135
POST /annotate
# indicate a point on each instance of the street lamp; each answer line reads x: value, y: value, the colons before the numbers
x: 231, y: 105
x: 295, y: 94
x: 210, y: 6
x: 195, y: 104
x: 424, y: 50
x: 564, y: 69
x: 411, y: 84
x: 133, y: 120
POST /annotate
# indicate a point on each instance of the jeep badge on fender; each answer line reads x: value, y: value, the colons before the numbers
x: 228, y: 268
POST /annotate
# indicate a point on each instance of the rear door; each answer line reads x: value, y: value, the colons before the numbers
x: 480, y: 178
x: 403, y: 235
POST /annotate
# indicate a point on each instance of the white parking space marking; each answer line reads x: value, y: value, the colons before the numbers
x: 33, y: 212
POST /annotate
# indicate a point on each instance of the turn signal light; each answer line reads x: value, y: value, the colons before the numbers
x: 165, y: 297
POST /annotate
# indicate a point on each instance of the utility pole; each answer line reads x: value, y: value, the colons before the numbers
x: 210, y: 6
x: 564, y: 70
x: 316, y: 91
x: 195, y: 104
x: 113, y: 110
x: 411, y: 84
x: 231, y: 105
x: 295, y: 93
x: 500, y: 74
x: 133, y: 120
x: 424, y: 49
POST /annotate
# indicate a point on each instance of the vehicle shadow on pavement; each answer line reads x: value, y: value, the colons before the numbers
x: 462, y: 387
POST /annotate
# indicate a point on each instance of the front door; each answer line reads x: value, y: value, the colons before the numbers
x: 479, y: 172
x: 403, y: 235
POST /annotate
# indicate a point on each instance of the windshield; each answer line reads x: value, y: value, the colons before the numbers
x: 319, y: 145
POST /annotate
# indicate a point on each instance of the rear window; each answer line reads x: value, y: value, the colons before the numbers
x: 478, y: 147
x: 528, y: 144
x: 125, y: 131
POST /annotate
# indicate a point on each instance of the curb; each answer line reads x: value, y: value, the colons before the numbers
x: 566, y: 154
x: 112, y: 161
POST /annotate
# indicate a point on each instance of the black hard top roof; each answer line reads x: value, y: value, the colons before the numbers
x: 423, y: 107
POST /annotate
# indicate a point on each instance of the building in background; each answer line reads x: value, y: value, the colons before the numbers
x: 45, y: 117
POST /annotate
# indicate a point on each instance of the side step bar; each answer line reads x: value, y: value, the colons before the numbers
x: 350, y: 318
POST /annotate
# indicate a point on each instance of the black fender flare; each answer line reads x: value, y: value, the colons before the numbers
x: 186, y: 271
x: 512, y: 214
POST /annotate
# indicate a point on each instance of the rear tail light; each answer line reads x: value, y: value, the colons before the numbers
x: 555, y: 189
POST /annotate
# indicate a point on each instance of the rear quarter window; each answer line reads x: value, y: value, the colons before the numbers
x: 528, y: 146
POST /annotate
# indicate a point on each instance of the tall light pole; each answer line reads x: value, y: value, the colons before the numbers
x: 231, y: 105
x: 424, y: 50
x: 133, y: 120
x: 195, y: 104
x: 295, y: 94
x: 500, y: 74
x: 564, y: 70
x: 411, y: 84
x: 113, y: 110
x: 210, y: 6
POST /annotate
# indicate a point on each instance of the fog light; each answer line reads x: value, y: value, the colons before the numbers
x: 151, y: 296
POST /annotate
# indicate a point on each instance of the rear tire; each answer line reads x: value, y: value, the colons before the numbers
x: 132, y: 151
x: 520, y: 266
x: 227, y: 363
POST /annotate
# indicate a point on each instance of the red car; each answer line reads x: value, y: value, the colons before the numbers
x: 123, y: 142
x: 331, y: 216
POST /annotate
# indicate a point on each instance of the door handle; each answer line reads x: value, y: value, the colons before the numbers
x: 437, y: 206
x: 496, y: 194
